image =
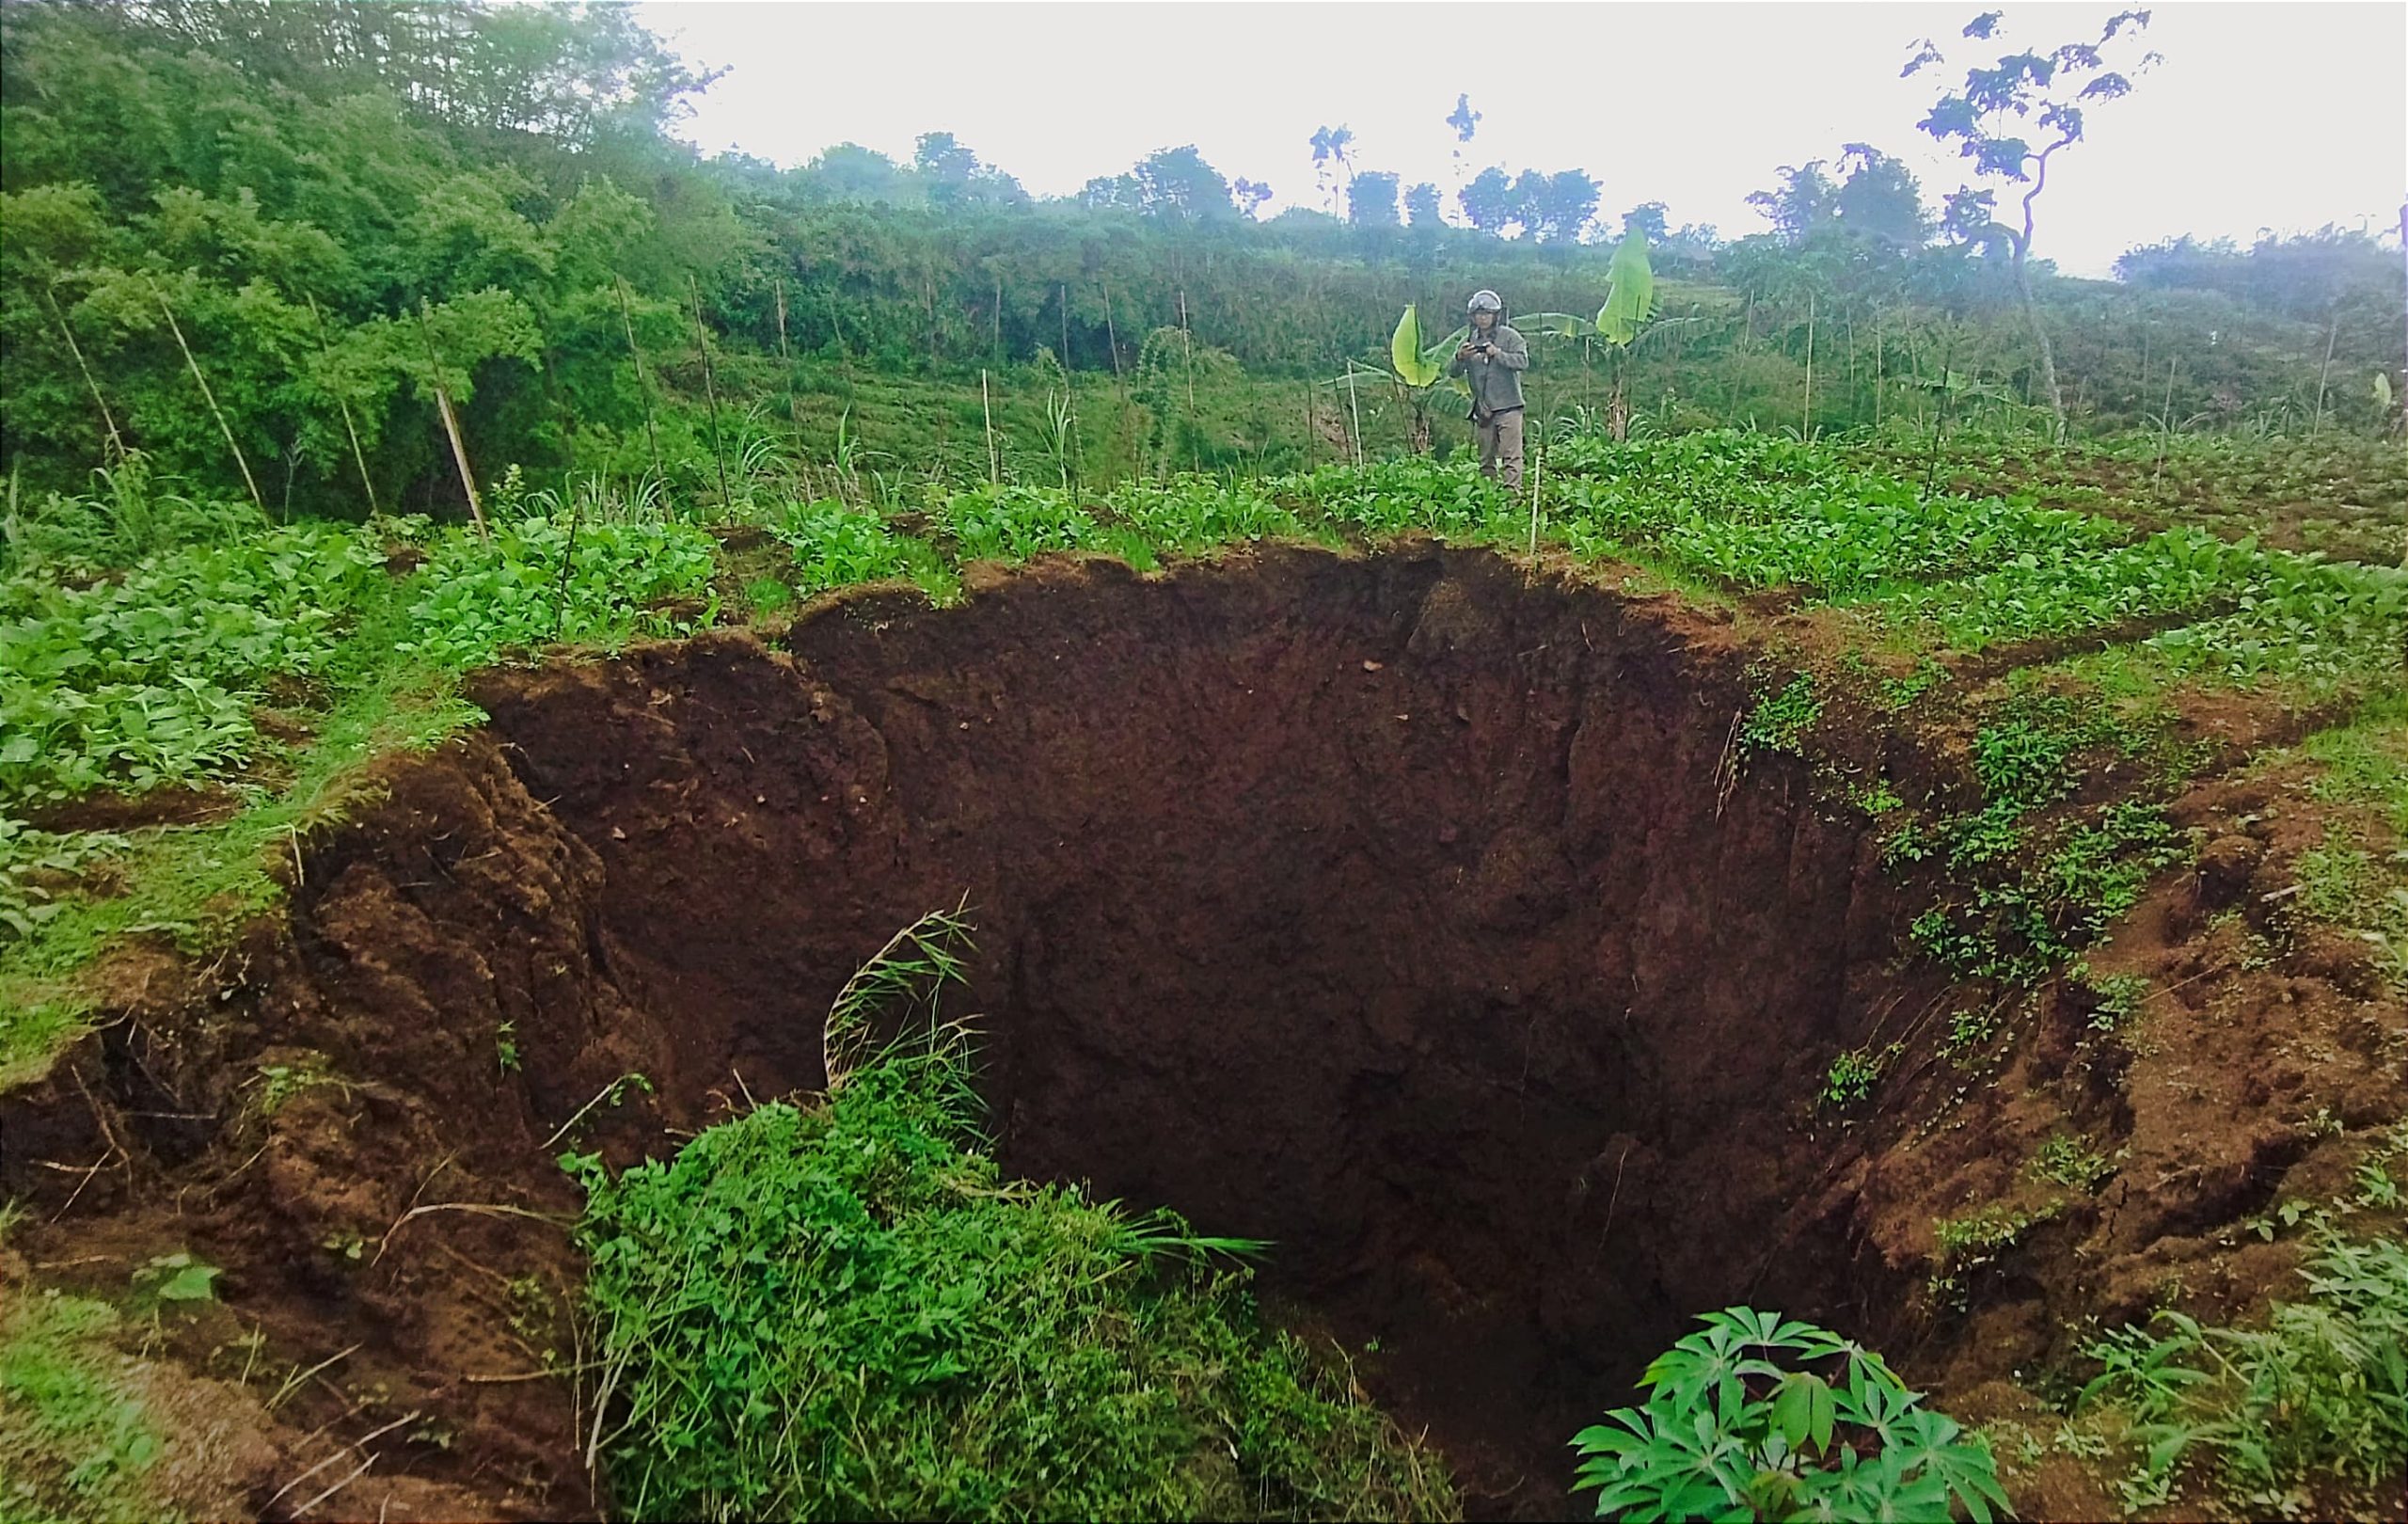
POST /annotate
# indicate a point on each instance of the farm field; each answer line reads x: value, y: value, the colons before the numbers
x: 1962, y: 922
x: 797, y: 830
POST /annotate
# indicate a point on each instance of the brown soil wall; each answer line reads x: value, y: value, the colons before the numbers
x: 1392, y: 910
x: 1398, y: 909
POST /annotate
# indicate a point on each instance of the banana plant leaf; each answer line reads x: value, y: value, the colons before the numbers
x: 1415, y: 366
x: 1630, y: 300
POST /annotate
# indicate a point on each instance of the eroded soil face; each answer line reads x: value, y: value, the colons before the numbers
x: 1384, y: 908
x: 1405, y: 912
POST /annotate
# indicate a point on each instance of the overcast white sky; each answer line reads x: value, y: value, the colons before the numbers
x: 2263, y: 115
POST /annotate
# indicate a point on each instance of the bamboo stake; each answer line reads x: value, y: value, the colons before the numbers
x: 710, y: 392
x: 794, y: 408
x: 1312, y: 453
x: 1354, y: 403
x: 1112, y: 337
x: 1069, y: 389
x: 116, y: 439
x: 451, y: 424
x: 2330, y: 333
x: 1194, y: 442
x: 626, y: 316
x: 359, y: 456
x: 994, y: 464
x: 1808, y: 420
x: 1538, y: 474
x: 211, y: 398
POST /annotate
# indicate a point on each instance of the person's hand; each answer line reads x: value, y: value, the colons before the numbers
x: 1465, y: 351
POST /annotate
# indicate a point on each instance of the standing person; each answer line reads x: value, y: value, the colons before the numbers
x: 1492, y: 360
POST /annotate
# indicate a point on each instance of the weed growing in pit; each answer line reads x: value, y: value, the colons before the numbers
x: 1756, y: 1416
x: 768, y: 595
x: 1854, y: 1075
x: 2115, y: 998
x: 77, y: 1439
x: 2321, y: 1390
x: 1779, y: 721
x: 1967, y: 1244
x: 845, y: 1310
x: 2063, y: 1161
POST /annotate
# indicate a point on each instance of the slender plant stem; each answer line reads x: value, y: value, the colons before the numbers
x: 451, y: 424
x: 359, y: 456
x: 626, y: 317
x: 211, y: 398
x: 107, y: 418
x: 710, y: 392
x: 995, y: 462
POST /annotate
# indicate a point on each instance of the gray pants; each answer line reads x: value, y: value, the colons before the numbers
x: 1501, y: 446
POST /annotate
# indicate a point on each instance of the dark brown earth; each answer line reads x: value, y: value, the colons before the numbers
x: 1400, y: 910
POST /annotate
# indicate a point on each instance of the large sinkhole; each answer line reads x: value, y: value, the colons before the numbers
x: 1402, y: 911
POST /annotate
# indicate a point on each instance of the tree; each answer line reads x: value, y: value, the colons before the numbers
x: 1555, y: 208
x: 952, y: 176
x: 1489, y: 201
x: 1805, y: 200
x: 1880, y: 199
x: 1251, y: 193
x: 1174, y: 184
x: 850, y: 172
x: 1985, y: 118
x: 1370, y: 199
x: 1333, y: 155
x: 1649, y: 220
x: 1421, y: 205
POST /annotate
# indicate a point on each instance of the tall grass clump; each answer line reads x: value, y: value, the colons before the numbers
x: 844, y: 1310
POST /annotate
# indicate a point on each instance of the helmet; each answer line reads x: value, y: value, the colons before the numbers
x: 1485, y: 301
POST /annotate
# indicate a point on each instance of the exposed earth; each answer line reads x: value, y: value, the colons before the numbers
x: 1417, y: 912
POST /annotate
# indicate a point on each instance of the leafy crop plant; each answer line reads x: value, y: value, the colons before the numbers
x: 1740, y: 1424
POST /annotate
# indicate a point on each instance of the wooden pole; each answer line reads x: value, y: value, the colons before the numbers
x: 794, y: 408
x: 1312, y: 453
x: 1808, y: 422
x: 451, y: 424
x: 1194, y: 441
x: 710, y: 392
x: 626, y: 316
x: 995, y: 462
x: 211, y: 398
x: 2331, y: 331
x: 1355, y: 405
x: 107, y: 420
x: 1069, y: 389
x: 359, y: 456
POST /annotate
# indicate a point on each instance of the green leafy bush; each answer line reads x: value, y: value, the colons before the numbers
x: 845, y: 1310
x: 529, y: 585
x: 2320, y: 1388
x: 1756, y: 1416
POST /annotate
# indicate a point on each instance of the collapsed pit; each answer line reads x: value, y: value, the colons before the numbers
x: 1391, y: 909
x: 1411, y: 911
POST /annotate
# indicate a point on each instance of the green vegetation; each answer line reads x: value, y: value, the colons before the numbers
x: 2318, y: 1391
x: 1756, y: 1416
x: 77, y: 1439
x: 844, y: 1311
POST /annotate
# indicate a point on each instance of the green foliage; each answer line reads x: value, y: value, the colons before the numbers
x: 1856, y: 1073
x: 837, y: 547
x: 846, y: 1311
x: 543, y: 580
x: 2320, y: 1390
x: 1965, y: 1244
x: 148, y: 677
x: 2063, y: 1161
x: 76, y: 1440
x: 1779, y: 721
x: 1756, y: 1416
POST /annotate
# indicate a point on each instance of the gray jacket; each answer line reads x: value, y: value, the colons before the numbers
x: 1496, y: 384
